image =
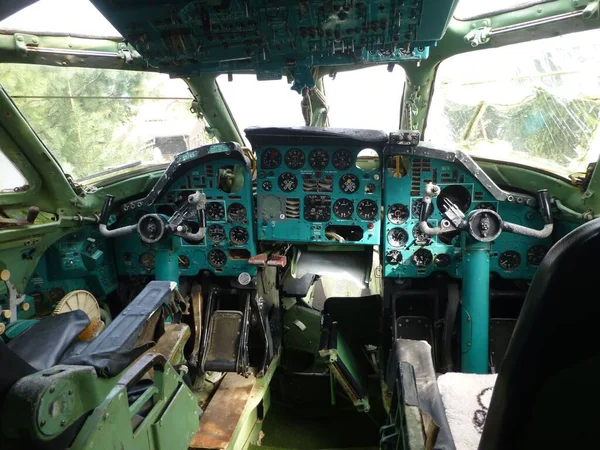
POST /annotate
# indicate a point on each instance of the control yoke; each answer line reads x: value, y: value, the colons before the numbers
x: 153, y: 227
x: 484, y: 225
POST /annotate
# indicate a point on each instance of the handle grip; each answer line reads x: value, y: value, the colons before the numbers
x: 32, y: 214
x: 105, y: 213
x: 545, y: 208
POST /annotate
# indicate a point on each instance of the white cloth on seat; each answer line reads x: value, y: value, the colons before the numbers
x: 466, y: 399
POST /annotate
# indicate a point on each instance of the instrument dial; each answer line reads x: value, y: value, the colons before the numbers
x: 343, y: 208
x: 420, y: 237
x: 236, y: 212
x: 238, y: 236
x: 367, y: 209
x: 318, y: 159
x: 147, y: 261
x: 217, y: 258
x: 267, y: 185
x: 270, y: 158
x: 294, y: 158
x: 397, y: 237
x: 393, y: 257
x: 287, y: 182
x: 215, y: 211
x: 342, y: 159
x: 536, y: 254
x: 442, y: 260
x: 216, y: 233
x: 422, y: 258
x: 509, y: 260
x: 349, y: 183
x: 398, y: 213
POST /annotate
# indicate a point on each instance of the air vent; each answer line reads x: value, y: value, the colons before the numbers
x: 418, y: 166
x: 292, y: 208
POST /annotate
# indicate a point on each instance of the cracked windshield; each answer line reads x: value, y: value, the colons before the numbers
x: 99, y: 121
x: 534, y: 103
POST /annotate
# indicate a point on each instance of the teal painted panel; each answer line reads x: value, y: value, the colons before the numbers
x: 133, y: 257
x: 446, y: 255
x: 286, y: 196
x: 186, y: 38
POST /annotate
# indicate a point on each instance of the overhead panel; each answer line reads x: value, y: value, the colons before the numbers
x: 189, y: 37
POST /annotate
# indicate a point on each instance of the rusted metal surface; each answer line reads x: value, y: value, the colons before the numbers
x: 196, y: 302
x: 219, y: 421
x: 171, y: 343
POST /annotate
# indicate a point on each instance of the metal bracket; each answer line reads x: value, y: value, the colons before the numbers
x: 125, y: 53
x: 591, y: 10
x: 23, y: 41
x: 480, y: 33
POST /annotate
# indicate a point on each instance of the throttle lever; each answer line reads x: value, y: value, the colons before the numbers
x: 545, y: 208
x: 105, y: 213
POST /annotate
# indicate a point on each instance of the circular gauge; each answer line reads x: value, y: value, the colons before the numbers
x: 238, y: 236
x: 270, y: 158
x: 267, y: 185
x: 294, y: 158
x: 343, y: 208
x: 398, y: 213
x: 215, y: 211
x: 421, y: 258
x: 183, y: 262
x: 342, y: 159
x: 417, y: 205
x: 349, y: 183
x: 442, y: 260
x: 147, y: 261
x: 420, y: 237
x: 393, y: 257
x: 318, y: 159
x: 236, y: 212
x: 217, y: 258
x: 397, y: 237
x: 457, y: 194
x: 287, y: 182
x: 367, y: 209
x: 216, y: 233
x: 509, y: 260
x: 536, y: 254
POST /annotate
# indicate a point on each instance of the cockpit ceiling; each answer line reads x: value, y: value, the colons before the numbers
x: 190, y: 37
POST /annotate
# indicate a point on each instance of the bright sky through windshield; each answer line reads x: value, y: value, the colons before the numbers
x: 61, y: 16
x: 368, y: 98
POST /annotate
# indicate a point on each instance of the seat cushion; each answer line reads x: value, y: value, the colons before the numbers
x: 466, y: 398
x: 44, y: 344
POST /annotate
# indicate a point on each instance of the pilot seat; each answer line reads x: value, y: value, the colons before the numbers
x: 545, y: 393
x: 57, y: 391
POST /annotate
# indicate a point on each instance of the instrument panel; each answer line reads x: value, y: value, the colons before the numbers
x: 327, y: 192
x: 409, y: 253
x: 226, y: 180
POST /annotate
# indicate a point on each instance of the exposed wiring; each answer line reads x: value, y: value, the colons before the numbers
x: 334, y: 236
x: 566, y: 210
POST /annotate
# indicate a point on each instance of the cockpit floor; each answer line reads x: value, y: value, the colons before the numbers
x: 304, y: 418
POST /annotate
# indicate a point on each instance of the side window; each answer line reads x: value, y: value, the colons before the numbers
x: 11, y: 179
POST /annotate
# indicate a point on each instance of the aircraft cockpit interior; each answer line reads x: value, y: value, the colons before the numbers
x: 278, y: 225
